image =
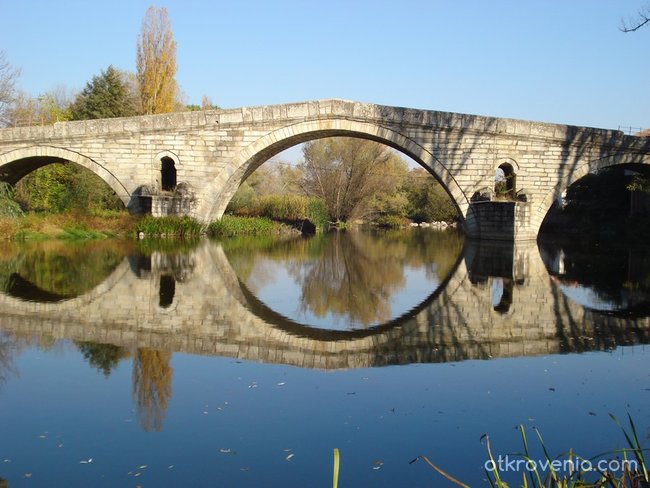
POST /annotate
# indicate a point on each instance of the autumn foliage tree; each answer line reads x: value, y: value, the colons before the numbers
x: 156, y: 62
x: 346, y: 173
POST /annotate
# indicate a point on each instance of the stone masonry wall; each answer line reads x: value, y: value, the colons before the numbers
x: 215, y: 150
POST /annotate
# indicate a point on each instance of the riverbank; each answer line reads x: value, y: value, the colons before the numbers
x: 71, y: 225
x: 79, y: 226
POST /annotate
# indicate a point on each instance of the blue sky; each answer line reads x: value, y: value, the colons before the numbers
x: 559, y: 61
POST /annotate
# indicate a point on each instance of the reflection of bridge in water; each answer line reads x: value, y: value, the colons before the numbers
x: 499, y: 302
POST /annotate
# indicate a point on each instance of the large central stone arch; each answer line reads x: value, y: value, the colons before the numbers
x: 16, y: 164
x: 255, y: 154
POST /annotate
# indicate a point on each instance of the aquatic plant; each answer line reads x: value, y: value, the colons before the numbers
x: 179, y: 227
x: 229, y: 226
x: 582, y: 472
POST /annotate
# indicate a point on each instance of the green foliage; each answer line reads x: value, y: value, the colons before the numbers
x: 103, y: 357
x: 58, y: 188
x: 229, y: 226
x: 428, y: 200
x: 181, y: 227
x: 105, y: 96
x: 390, y: 221
x: 639, y: 183
x: 9, y: 208
x: 317, y: 213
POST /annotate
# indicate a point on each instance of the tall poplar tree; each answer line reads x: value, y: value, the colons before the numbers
x: 156, y: 62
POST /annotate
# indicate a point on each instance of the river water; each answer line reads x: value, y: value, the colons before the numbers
x: 245, y: 362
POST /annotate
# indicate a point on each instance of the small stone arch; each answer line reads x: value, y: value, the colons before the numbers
x: 167, y: 164
x: 505, y: 179
x: 16, y: 164
x: 593, y: 166
x: 251, y: 157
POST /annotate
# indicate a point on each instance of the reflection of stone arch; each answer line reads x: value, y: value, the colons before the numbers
x: 273, y: 325
x: 593, y: 166
x: 9, y: 302
x: 15, y: 165
x: 251, y: 157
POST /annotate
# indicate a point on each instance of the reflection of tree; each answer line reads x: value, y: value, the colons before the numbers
x: 152, y: 386
x: 347, y: 273
x: 8, y: 347
x: 355, y: 276
x: 104, y: 357
x: 62, y: 268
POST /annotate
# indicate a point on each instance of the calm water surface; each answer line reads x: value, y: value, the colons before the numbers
x: 245, y: 362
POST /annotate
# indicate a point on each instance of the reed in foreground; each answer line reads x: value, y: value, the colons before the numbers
x: 622, y: 468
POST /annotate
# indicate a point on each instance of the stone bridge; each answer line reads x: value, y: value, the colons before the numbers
x: 212, y: 313
x: 192, y: 163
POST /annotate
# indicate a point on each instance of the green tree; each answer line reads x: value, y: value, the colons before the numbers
x: 105, y: 96
x: 428, y: 200
x: 156, y: 63
x: 104, y: 357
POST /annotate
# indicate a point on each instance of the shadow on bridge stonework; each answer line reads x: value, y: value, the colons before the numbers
x: 498, y: 301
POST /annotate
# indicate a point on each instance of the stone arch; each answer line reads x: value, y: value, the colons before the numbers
x: 166, y: 164
x: 507, y: 187
x: 18, y: 163
x: 542, y: 208
x: 255, y: 154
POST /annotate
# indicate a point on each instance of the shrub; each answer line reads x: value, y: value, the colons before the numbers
x: 283, y: 207
x: 229, y: 226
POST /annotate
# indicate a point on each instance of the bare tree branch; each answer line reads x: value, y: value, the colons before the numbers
x: 642, y: 18
x: 8, y: 76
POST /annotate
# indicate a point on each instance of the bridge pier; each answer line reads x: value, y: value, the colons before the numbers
x: 500, y: 221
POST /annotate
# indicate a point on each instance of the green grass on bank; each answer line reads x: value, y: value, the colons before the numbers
x: 80, y: 226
